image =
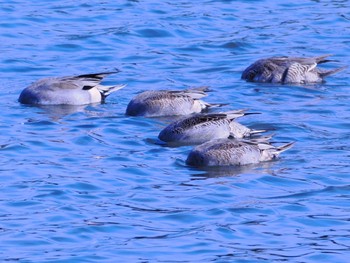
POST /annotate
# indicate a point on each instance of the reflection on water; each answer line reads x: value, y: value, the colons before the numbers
x: 59, y: 111
x: 245, y: 170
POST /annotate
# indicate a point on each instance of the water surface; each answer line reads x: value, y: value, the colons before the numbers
x: 88, y: 184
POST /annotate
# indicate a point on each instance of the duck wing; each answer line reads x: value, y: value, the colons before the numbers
x: 199, y: 120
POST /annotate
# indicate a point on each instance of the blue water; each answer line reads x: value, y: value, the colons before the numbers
x: 88, y: 184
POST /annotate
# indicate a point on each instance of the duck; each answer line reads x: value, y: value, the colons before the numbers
x: 157, y: 103
x: 69, y: 90
x: 289, y: 70
x: 234, y: 152
x: 201, y: 128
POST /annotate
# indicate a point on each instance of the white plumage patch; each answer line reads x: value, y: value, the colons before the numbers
x: 95, y: 95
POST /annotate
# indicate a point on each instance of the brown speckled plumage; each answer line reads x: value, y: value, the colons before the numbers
x: 168, y: 102
x: 226, y: 152
x: 204, y: 127
x: 286, y: 70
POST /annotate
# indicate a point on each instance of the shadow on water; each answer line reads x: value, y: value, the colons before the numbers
x: 56, y: 112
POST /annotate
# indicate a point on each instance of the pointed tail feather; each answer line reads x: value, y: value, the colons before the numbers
x: 327, y: 60
x: 234, y: 114
x: 107, y: 90
x: 325, y: 73
x: 257, y: 131
x: 284, y: 147
x: 238, y: 113
x: 99, y: 75
x: 251, y: 113
x: 322, y: 59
